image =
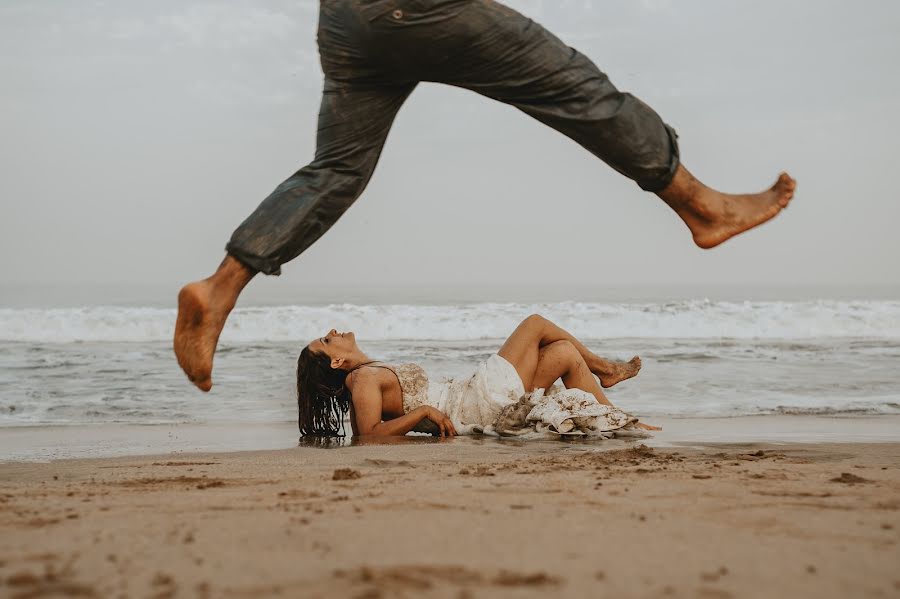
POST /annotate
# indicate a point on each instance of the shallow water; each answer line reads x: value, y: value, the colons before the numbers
x: 701, y: 359
x: 139, y: 382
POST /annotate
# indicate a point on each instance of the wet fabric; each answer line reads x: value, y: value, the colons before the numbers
x: 375, y: 52
x: 467, y: 401
x: 493, y: 401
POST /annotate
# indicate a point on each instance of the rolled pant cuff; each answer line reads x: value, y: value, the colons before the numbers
x: 263, y: 265
x: 660, y: 183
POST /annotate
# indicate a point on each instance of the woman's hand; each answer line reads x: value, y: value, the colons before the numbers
x: 442, y: 421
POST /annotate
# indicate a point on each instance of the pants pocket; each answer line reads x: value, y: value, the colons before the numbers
x: 410, y: 10
x: 373, y: 9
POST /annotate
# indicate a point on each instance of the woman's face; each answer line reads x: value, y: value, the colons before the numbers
x: 336, y: 346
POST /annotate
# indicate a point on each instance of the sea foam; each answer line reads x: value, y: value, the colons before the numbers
x: 681, y: 319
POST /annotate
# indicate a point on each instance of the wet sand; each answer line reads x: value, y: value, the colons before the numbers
x: 45, y: 443
x: 460, y: 518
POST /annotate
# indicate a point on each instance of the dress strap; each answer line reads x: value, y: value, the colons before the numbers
x: 374, y: 364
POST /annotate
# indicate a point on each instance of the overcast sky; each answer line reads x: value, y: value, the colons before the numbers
x: 135, y: 136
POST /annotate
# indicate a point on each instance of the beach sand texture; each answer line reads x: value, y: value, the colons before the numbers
x: 464, y: 518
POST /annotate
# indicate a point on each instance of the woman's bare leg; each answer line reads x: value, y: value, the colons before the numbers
x: 562, y: 360
x: 714, y: 217
x: 522, y: 350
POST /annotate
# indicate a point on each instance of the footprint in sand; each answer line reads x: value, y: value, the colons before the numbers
x: 849, y: 479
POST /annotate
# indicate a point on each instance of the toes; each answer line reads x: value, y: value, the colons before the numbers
x: 786, y: 182
x: 784, y: 189
x: 204, y: 384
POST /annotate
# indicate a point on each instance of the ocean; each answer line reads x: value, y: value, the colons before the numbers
x: 702, y: 358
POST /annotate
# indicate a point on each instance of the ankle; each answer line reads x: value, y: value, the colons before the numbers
x: 233, y: 272
x: 691, y: 199
x: 705, y: 205
x: 227, y: 282
x: 600, y: 366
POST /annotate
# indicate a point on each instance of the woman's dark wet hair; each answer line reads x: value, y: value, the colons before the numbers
x: 323, y: 399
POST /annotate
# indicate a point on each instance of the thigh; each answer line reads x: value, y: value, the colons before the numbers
x: 554, y: 360
x: 522, y: 349
x: 355, y: 119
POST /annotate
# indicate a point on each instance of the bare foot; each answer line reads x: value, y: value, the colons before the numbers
x: 647, y: 427
x: 720, y: 217
x: 203, y: 307
x: 197, y: 332
x: 616, y: 372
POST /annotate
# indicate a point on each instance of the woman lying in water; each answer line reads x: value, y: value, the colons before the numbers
x: 334, y: 377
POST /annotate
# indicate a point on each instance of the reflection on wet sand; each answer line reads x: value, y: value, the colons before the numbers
x: 357, y: 441
x: 551, y: 443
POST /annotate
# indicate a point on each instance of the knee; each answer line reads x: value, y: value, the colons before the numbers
x: 534, y: 320
x: 562, y: 350
x: 560, y: 357
x: 334, y: 177
x: 567, y: 347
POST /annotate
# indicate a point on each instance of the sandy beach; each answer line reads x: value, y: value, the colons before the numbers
x: 467, y: 517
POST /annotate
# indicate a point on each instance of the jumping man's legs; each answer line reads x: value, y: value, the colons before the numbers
x: 372, y: 60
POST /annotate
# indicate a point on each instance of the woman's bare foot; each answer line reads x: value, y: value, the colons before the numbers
x: 616, y: 372
x: 647, y: 427
x: 203, y: 308
x: 714, y: 217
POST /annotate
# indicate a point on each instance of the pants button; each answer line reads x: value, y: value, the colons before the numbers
x: 397, y: 14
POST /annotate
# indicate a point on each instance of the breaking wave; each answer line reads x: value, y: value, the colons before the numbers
x: 681, y: 319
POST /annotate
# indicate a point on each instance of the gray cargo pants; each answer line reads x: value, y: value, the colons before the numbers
x: 375, y: 52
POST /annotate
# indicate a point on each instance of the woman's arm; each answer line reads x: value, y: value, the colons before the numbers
x: 403, y: 424
x: 367, y: 405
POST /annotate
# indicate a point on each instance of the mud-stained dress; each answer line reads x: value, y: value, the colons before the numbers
x: 493, y: 400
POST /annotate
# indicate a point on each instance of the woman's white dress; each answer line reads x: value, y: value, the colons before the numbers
x: 494, y: 401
